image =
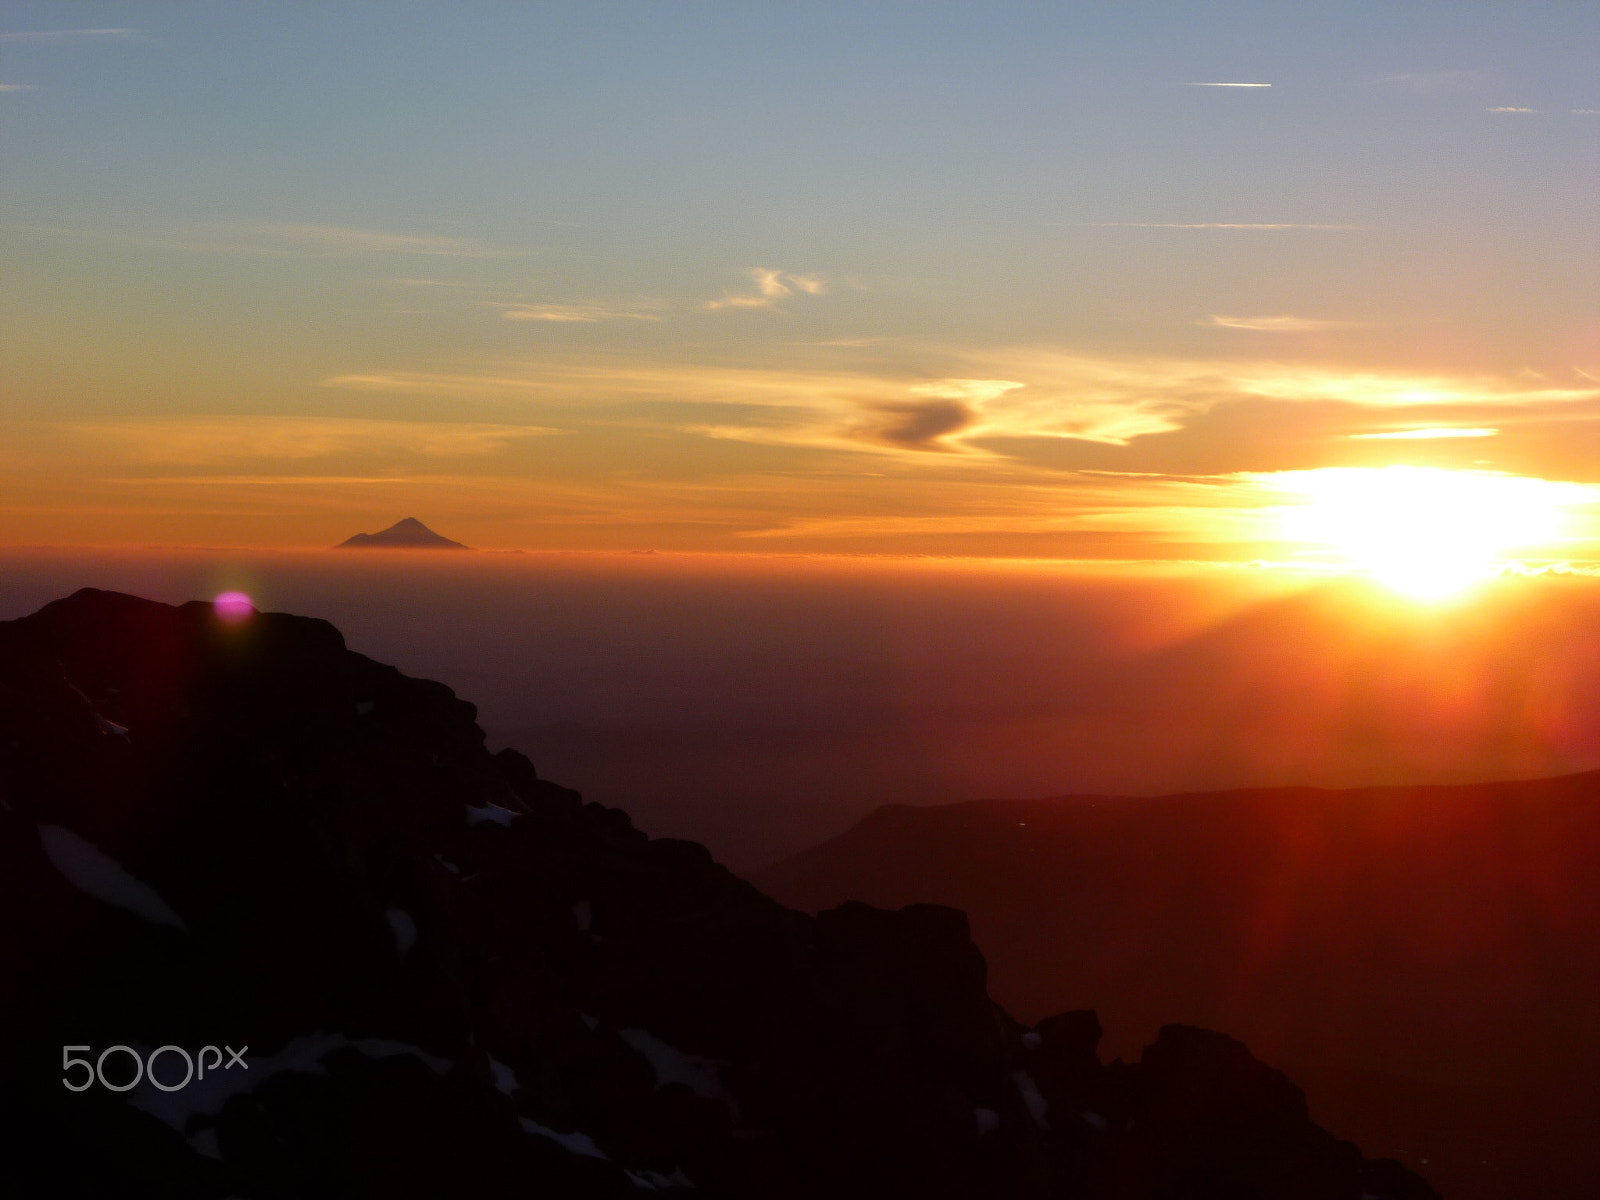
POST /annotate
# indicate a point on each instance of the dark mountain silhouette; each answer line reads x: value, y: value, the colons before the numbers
x: 405, y: 534
x: 445, y: 976
x: 1426, y: 960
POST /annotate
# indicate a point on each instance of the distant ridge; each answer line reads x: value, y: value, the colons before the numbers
x: 406, y: 534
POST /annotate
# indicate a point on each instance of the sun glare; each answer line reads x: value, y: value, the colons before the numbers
x: 1426, y: 531
x: 234, y: 607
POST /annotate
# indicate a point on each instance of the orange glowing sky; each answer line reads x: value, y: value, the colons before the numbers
x: 920, y: 279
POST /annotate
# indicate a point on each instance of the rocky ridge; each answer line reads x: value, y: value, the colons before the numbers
x: 445, y: 976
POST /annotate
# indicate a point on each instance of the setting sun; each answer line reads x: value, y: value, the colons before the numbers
x: 1426, y: 531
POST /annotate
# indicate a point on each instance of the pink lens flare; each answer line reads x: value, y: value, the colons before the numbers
x: 234, y: 607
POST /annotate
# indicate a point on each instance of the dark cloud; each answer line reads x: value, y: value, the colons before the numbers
x: 920, y: 425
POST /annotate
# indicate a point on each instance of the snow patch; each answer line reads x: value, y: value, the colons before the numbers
x: 383, y: 1048
x: 583, y: 915
x: 95, y: 873
x: 655, y: 1180
x: 573, y: 1143
x: 478, y: 814
x: 1031, y: 1041
x: 205, y: 1096
x: 1095, y: 1122
x: 988, y: 1120
x: 1036, y: 1104
x: 403, y: 928
x: 505, y: 1079
x: 702, y: 1076
x: 110, y: 728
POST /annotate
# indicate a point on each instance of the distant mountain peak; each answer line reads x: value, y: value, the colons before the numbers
x: 408, y: 533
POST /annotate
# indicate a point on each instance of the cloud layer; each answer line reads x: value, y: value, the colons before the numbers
x: 969, y: 410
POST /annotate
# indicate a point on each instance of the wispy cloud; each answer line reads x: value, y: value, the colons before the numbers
x: 51, y: 36
x: 16, y: 87
x: 341, y: 239
x: 771, y: 287
x: 1269, y: 225
x: 1586, y: 112
x: 1379, y: 390
x: 1424, y: 435
x: 1276, y: 324
x: 999, y: 395
x: 574, y: 313
x: 1430, y: 83
x: 282, y: 240
x: 1229, y: 85
x: 1207, y: 508
x: 1505, y: 108
x: 218, y: 440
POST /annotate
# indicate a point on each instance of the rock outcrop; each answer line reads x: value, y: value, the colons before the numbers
x: 427, y: 972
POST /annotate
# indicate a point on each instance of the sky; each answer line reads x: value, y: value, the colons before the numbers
x: 1034, y: 280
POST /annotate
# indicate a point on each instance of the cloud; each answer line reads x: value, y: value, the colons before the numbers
x: 771, y: 287
x: 1586, y: 112
x: 923, y: 424
x: 573, y: 313
x: 341, y: 239
x: 1276, y: 324
x: 1219, y: 225
x: 1407, y: 435
x: 1380, y: 390
x: 1216, y: 509
x: 216, y: 440
x: 1430, y: 83
x: 16, y: 87
x: 977, y: 391
x: 278, y: 240
x: 981, y: 411
x: 1508, y: 109
x: 55, y: 36
x: 1229, y: 85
